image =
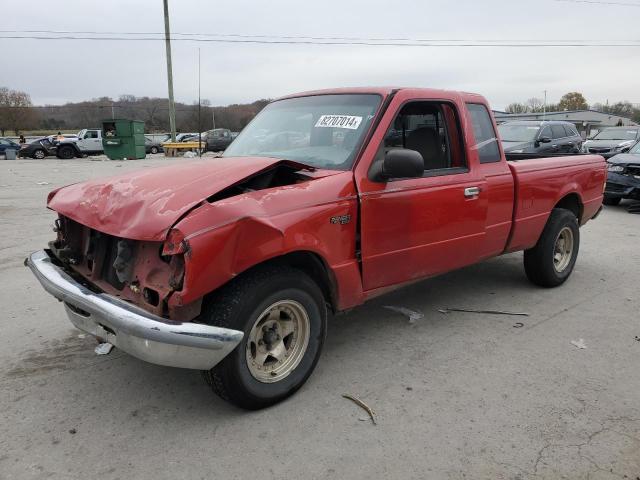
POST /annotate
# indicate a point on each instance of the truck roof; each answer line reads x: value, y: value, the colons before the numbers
x: 384, y: 91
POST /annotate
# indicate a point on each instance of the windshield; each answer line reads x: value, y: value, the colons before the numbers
x: 510, y: 132
x: 323, y: 131
x: 616, y: 134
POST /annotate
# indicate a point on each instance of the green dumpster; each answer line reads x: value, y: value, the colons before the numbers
x: 123, y: 139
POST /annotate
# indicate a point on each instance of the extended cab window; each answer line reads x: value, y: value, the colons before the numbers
x: 430, y: 128
x: 484, y: 134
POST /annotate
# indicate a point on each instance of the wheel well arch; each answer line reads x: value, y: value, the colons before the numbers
x: 573, y: 203
x: 310, y: 263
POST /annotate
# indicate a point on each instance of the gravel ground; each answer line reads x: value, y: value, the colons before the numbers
x: 457, y: 395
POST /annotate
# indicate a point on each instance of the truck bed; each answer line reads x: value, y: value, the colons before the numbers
x: 541, y: 182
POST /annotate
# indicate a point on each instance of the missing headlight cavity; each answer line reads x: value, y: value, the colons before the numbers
x: 278, y: 176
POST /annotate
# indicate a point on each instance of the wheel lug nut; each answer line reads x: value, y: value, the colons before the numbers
x: 260, y: 342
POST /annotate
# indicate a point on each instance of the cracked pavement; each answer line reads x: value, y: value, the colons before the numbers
x: 457, y: 395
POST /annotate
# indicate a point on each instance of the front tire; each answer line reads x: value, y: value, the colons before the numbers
x: 611, y: 201
x: 283, y: 315
x: 154, y: 150
x: 39, y: 154
x: 551, y: 261
x: 66, y: 153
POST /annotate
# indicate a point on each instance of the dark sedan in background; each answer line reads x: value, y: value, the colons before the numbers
x: 544, y: 137
x: 40, y: 148
x: 6, y: 144
x: 152, y: 146
x: 623, y: 177
x: 612, y: 140
x: 218, y: 139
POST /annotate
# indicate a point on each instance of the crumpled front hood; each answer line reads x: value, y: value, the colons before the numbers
x: 143, y: 205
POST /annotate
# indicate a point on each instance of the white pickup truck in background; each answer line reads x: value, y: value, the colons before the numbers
x: 89, y: 142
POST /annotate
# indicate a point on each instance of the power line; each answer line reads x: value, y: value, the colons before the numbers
x: 303, y: 37
x: 434, y: 43
x: 599, y: 2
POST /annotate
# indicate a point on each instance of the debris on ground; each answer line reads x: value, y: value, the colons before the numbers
x: 518, y: 325
x: 190, y: 154
x: 82, y: 335
x: 637, y: 338
x: 490, y: 312
x: 362, y: 405
x: 73, y: 431
x: 103, y: 348
x: 43, y: 183
x: 579, y: 343
x: 412, y: 315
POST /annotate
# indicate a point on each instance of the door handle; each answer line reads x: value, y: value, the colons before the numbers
x: 471, y: 192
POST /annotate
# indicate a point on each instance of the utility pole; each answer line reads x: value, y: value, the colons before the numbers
x: 213, y: 118
x: 544, y: 107
x: 113, y: 115
x: 167, y: 42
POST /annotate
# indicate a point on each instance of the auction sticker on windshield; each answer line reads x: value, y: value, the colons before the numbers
x: 351, y: 122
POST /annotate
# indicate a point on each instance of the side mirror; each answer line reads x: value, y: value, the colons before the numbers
x: 402, y: 163
x: 544, y: 140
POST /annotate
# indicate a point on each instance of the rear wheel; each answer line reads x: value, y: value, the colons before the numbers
x: 153, y: 150
x: 283, y: 315
x: 551, y: 261
x: 39, y: 154
x: 612, y: 201
x: 66, y: 152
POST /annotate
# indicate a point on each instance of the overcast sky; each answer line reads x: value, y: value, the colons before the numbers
x: 56, y: 71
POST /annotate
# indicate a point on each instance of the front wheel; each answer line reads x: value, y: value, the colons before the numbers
x: 283, y: 315
x: 39, y: 154
x: 66, y: 153
x: 551, y: 261
x: 153, y: 150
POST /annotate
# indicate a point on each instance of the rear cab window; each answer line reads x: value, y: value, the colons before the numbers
x: 486, y: 141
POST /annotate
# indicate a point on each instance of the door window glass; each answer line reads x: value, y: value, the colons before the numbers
x: 558, y: 131
x: 431, y: 129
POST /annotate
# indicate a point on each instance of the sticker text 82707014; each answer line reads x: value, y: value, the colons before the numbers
x: 351, y: 122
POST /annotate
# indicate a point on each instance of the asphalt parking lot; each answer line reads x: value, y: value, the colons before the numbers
x: 457, y: 395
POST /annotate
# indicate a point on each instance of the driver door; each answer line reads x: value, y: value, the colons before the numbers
x: 419, y: 227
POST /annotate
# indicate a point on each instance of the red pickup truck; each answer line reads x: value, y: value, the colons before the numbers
x: 231, y: 265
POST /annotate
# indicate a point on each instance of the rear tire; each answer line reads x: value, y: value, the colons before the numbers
x: 154, y: 150
x: 39, y: 154
x: 611, y: 201
x: 551, y: 261
x: 283, y: 315
x: 66, y: 153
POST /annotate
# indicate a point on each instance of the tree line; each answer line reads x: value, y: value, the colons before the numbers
x: 18, y: 114
x: 575, y: 101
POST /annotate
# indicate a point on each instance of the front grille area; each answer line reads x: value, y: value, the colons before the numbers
x: 615, y: 187
x: 132, y: 270
x: 632, y: 170
x: 599, y: 150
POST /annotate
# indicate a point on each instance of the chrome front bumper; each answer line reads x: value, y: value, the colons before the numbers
x: 141, y: 334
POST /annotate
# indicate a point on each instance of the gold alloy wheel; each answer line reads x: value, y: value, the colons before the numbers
x: 563, y: 250
x: 278, y: 341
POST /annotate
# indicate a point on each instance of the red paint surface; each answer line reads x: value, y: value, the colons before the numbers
x: 409, y: 229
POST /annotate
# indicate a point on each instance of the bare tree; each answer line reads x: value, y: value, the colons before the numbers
x: 16, y: 111
x: 516, y: 108
x: 535, y: 105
